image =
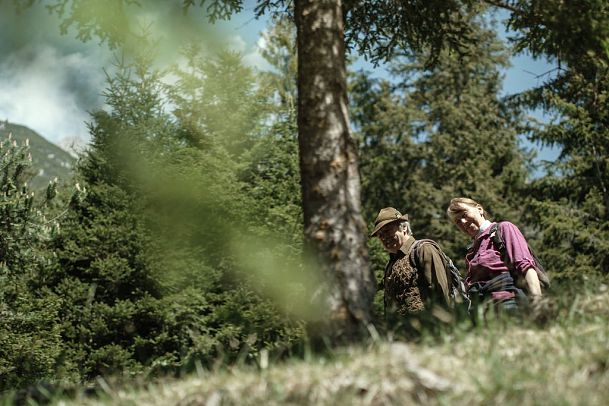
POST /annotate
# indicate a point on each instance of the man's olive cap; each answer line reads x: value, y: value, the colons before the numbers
x: 386, y: 216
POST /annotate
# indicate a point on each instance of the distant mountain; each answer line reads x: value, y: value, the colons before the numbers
x: 48, y: 160
x: 74, y: 145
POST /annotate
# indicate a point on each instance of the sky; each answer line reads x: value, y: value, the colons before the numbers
x: 47, y: 82
x: 51, y: 82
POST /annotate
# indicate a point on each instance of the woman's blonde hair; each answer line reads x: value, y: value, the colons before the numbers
x: 454, y: 206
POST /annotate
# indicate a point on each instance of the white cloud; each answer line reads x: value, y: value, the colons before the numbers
x: 49, y: 92
x: 236, y: 43
x: 52, y: 88
x: 254, y: 57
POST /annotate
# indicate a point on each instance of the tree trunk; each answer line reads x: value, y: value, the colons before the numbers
x: 334, y: 229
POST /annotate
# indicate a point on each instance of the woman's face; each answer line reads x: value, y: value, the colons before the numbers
x: 469, y: 219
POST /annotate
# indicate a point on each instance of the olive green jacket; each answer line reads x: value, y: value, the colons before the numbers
x: 413, y: 287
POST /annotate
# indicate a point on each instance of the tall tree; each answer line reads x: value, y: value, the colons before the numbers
x: 441, y: 132
x: 217, y: 233
x: 273, y: 177
x: 470, y: 135
x: 571, y: 203
x: 334, y: 228
x: 112, y: 316
x: 149, y: 265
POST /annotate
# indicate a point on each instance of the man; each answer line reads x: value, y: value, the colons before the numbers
x: 416, y: 274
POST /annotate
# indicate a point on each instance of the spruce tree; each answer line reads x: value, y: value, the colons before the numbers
x: 470, y: 137
x: 147, y: 266
x: 31, y: 349
x: 440, y: 132
x: 273, y: 178
x: 571, y: 202
x: 232, y: 212
x: 112, y: 320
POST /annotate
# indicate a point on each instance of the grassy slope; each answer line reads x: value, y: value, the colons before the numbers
x: 565, y: 362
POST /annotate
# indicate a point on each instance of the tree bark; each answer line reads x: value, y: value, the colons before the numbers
x: 334, y: 229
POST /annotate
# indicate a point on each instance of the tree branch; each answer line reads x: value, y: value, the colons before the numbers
x: 503, y: 5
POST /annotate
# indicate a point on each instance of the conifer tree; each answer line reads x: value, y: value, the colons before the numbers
x: 146, y: 266
x: 571, y: 202
x: 111, y: 319
x: 30, y: 341
x: 470, y: 137
x: 222, y: 112
x: 439, y: 133
x: 273, y: 178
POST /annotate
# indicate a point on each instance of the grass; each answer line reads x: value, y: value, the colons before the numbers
x: 564, y: 361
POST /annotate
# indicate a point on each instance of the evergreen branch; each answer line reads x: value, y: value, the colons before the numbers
x: 63, y: 213
x: 505, y: 6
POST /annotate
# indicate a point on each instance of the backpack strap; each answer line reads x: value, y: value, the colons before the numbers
x: 456, y: 287
x: 414, y: 249
x: 413, y: 255
x: 499, y: 244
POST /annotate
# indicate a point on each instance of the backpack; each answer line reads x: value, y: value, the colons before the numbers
x: 457, y: 291
x: 499, y: 244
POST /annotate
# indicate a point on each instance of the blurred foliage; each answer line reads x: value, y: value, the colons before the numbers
x: 119, y: 22
x: 184, y: 250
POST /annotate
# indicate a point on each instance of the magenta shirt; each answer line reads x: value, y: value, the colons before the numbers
x: 484, y: 262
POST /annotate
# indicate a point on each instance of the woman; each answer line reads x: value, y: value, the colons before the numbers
x: 488, y: 276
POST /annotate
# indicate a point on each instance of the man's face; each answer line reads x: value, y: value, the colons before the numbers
x: 391, y: 237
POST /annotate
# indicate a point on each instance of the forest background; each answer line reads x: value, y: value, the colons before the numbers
x: 185, y: 243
